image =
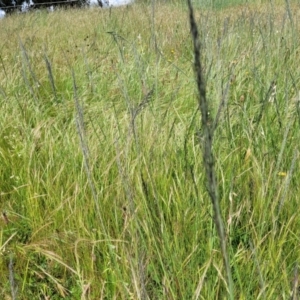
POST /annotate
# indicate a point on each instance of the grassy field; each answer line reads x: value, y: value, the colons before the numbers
x: 103, y: 191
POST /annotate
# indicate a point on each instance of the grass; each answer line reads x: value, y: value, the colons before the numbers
x: 217, y: 4
x: 103, y: 192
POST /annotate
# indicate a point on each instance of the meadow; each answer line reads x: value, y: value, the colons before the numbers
x: 103, y: 189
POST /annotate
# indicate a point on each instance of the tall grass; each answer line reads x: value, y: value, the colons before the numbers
x: 208, y: 127
x: 103, y: 187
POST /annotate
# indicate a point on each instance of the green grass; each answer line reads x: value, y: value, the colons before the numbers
x: 101, y: 168
x: 217, y: 4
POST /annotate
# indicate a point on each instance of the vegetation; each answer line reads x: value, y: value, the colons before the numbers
x: 103, y: 190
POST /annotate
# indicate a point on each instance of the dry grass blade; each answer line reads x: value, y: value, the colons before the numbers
x: 295, y: 290
x: 61, y: 289
x: 6, y: 243
x: 201, y: 281
x: 12, y: 279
